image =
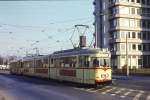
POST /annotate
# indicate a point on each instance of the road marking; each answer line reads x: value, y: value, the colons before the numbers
x: 92, y: 89
x: 108, y: 90
x: 148, y: 97
x: 89, y: 89
x: 125, y: 94
x: 120, y: 90
x: 138, y: 95
x: 80, y: 88
x: 113, y: 94
x: 101, y: 88
x: 131, y: 90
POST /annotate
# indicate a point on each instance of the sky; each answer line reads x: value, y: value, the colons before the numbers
x: 46, y: 25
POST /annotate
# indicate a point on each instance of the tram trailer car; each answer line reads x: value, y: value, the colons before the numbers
x: 85, y: 66
x: 15, y: 67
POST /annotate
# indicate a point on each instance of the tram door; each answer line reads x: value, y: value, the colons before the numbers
x: 84, y: 71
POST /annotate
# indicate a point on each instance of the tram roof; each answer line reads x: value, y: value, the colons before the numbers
x: 29, y: 58
x: 69, y: 52
x: 79, y: 51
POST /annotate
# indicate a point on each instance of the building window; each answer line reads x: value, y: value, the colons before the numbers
x: 132, y: 23
x: 129, y: 35
x: 132, y: 1
x: 134, y: 47
x: 148, y: 2
x: 143, y: 1
x: 139, y: 47
x: 139, y: 35
x: 144, y: 47
x: 132, y: 10
x: 123, y: 57
x: 138, y: 11
x: 122, y: 47
x: 122, y: 34
x: 148, y: 24
x: 114, y: 22
x: 133, y: 56
x: 144, y: 23
x: 129, y: 46
x: 144, y: 35
x: 138, y: 1
x: 139, y: 61
x: 133, y: 35
x: 148, y: 35
x: 138, y: 23
x: 148, y: 47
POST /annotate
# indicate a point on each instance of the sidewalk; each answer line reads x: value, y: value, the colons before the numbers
x: 123, y: 77
x: 4, y: 72
x: 5, y: 96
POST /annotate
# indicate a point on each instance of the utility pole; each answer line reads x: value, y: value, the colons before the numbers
x: 127, y: 67
x: 37, y: 51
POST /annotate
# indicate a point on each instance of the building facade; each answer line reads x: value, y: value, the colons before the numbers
x: 123, y: 26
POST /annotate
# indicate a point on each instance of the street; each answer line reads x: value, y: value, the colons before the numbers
x: 14, y: 87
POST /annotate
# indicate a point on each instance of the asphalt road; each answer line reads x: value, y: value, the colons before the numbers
x: 14, y: 87
x: 25, y: 88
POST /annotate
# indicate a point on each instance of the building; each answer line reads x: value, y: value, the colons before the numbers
x: 123, y: 26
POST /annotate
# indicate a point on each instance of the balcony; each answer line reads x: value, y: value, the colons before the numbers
x: 128, y: 28
x: 131, y: 4
x: 112, y: 16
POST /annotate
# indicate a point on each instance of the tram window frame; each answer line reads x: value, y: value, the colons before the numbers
x: 57, y: 62
x: 39, y: 63
x: 69, y: 62
x: 52, y: 61
x: 45, y: 60
x: 84, y: 61
x: 95, y: 62
x: 105, y: 62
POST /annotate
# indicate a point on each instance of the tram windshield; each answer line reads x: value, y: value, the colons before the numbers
x: 100, y: 62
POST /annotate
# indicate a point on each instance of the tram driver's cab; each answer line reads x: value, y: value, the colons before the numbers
x: 100, y: 62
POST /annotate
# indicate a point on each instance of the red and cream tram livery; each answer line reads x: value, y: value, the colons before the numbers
x: 85, y: 66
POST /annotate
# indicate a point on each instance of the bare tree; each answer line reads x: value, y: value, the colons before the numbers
x: 1, y: 60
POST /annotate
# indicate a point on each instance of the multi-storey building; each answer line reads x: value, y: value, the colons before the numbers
x: 124, y: 27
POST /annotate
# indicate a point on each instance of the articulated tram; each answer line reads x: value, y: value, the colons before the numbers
x: 83, y: 65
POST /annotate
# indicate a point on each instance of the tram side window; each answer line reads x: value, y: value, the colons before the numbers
x: 56, y: 62
x: 68, y: 62
x: 100, y: 62
x: 95, y: 62
x: 45, y: 62
x: 38, y: 63
x: 83, y: 61
x: 52, y: 61
x: 104, y: 62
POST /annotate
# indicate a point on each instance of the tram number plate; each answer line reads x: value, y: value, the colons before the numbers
x: 104, y: 75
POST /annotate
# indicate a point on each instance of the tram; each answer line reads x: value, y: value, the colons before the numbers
x: 80, y: 65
